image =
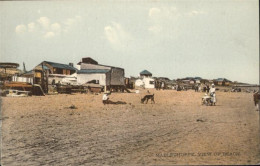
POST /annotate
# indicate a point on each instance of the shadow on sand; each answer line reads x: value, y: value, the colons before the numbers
x: 116, y: 103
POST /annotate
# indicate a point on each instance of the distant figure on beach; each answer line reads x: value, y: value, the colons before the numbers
x: 256, y: 99
x: 207, y: 88
x: 105, y: 98
x: 212, y: 93
x: 162, y: 85
x: 196, y: 87
x: 199, y: 88
x: 204, y: 88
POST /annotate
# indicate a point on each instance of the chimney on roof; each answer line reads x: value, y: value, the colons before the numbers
x: 71, y: 64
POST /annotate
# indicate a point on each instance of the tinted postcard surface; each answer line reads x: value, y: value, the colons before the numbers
x: 129, y: 82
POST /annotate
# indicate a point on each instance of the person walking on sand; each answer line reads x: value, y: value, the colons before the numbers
x: 163, y: 86
x: 199, y: 89
x: 212, y: 93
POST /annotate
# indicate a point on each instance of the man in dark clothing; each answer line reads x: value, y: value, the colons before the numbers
x: 207, y: 88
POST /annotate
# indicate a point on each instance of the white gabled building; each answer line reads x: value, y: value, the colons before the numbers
x: 145, y: 80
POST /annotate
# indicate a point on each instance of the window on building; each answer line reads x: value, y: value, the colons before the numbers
x: 58, y: 71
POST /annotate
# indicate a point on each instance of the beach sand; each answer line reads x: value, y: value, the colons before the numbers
x: 177, y: 129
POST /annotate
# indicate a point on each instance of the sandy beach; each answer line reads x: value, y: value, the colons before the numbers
x: 177, y: 129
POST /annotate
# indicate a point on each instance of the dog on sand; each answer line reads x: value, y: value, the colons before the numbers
x: 148, y: 97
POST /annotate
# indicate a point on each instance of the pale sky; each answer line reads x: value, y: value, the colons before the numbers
x: 174, y: 39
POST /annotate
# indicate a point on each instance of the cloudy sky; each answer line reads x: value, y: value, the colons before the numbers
x: 175, y: 38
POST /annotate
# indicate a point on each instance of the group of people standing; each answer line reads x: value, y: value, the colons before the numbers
x: 202, y: 87
x: 159, y: 85
x: 211, y: 91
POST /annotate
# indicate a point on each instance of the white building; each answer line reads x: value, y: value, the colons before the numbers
x: 97, y: 76
x: 107, y: 76
x: 145, y: 80
x: 148, y: 82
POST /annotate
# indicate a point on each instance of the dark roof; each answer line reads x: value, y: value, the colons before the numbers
x: 61, y: 66
x: 90, y: 71
x: 145, y: 72
x: 197, y: 78
x: 88, y: 60
x: 39, y: 67
x: 222, y: 79
x: 8, y: 65
x: 189, y: 78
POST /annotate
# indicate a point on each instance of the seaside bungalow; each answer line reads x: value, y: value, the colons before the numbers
x: 57, y: 68
x: 54, y: 71
x: 109, y: 77
x: 222, y: 82
x: 7, y: 70
x: 187, y: 80
x: 145, y: 80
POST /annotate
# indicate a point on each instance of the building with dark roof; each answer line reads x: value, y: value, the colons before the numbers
x: 56, y: 68
x: 222, y: 82
x: 47, y: 73
x: 109, y: 77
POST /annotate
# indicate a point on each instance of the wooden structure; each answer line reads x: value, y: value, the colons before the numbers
x: 42, y: 71
x: 34, y: 89
x: 7, y: 70
x: 129, y: 83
